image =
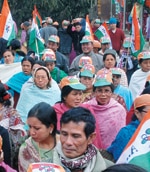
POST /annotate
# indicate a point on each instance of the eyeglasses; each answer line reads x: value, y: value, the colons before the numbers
x: 40, y: 77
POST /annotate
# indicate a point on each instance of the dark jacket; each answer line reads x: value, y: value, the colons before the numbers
x: 61, y: 62
x: 65, y: 44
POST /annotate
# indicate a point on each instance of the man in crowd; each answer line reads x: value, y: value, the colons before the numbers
x: 75, y: 150
x: 116, y: 34
x: 87, y: 48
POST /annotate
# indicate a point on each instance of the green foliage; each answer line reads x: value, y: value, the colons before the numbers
x: 58, y: 9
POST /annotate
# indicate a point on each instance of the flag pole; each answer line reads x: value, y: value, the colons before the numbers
x: 37, y: 47
x: 124, y: 14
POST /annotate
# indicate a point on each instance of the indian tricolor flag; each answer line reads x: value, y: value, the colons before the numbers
x: 102, y: 31
x: 36, y: 43
x: 138, y: 41
x: 137, y: 150
x: 7, y: 30
x: 88, y: 28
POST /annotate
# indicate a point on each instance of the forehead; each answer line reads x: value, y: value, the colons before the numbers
x: 40, y: 71
x: 103, y: 88
x: 52, y: 43
x: 73, y: 127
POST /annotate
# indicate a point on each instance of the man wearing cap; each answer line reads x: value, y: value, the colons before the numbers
x: 96, y: 24
x: 61, y: 60
x: 138, y: 79
x: 77, y: 33
x: 65, y: 44
x: 116, y: 34
x: 87, y: 48
x: 105, y: 44
x: 49, y: 30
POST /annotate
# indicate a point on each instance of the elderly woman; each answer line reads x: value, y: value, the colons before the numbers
x: 110, y: 115
x: 39, y: 147
x: 42, y: 90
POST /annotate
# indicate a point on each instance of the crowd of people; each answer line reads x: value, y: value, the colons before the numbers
x: 77, y: 101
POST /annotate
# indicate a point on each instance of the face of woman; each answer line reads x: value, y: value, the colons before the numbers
x: 41, y: 79
x: 103, y: 95
x: 109, y: 61
x: 87, y: 81
x: 8, y: 57
x: 38, y: 131
x: 73, y: 99
x: 26, y: 67
x: 140, y: 115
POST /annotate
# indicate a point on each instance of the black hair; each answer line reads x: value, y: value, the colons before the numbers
x: 30, y: 52
x: 4, y: 96
x: 3, y: 46
x: 40, y: 62
x: 111, y: 86
x: 65, y: 91
x: 105, y: 55
x: 86, y: 76
x: 124, y: 168
x: 28, y: 58
x: 8, y: 50
x: 77, y: 24
x: 80, y: 114
x: 146, y: 90
x: 44, y: 113
x: 141, y: 60
x: 15, y: 44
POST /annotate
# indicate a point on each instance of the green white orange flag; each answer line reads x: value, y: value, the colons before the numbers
x: 138, y: 41
x: 88, y: 28
x: 37, y: 15
x: 7, y: 29
x: 36, y: 43
x: 102, y: 31
x: 137, y: 150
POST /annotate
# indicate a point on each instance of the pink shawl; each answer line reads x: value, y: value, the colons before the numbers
x: 110, y: 119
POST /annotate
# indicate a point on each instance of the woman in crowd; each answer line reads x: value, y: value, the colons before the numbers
x: 141, y: 107
x: 39, y: 147
x: 14, y: 84
x: 138, y: 79
x: 110, y: 115
x: 109, y: 59
x: 10, y: 120
x: 42, y: 90
x: 8, y: 56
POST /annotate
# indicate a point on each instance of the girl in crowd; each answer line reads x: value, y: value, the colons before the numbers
x: 39, y: 147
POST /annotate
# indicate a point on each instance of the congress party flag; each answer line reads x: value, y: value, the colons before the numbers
x: 137, y: 150
x: 138, y: 41
x: 36, y: 43
x: 7, y: 28
x: 88, y: 28
x: 102, y: 31
x: 38, y: 17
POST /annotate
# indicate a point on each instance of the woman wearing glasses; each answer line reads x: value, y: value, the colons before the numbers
x: 110, y: 115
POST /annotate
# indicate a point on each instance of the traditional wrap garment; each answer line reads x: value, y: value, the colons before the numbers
x: 110, y: 118
x: 33, y: 95
x: 137, y: 82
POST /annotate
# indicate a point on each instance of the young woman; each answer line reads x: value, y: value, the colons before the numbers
x: 39, y: 147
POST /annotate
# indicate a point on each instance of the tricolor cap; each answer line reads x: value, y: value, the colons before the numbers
x: 49, y: 56
x: 84, y: 60
x: 86, y: 39
x: 73, y: 82
x: 96, y: 44
x: 144, y: 55
x: 88, y: 70
x: 97, y: 21
x: 116, y: 71
x: 54, y: 38
x: 103, y: 78
x: 105, y: 40
x: 127, y: 42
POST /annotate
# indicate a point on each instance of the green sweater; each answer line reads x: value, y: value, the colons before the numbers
x: 57, y: 74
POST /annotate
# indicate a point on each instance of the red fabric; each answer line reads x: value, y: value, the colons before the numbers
x: 129, y: 115
x: 117, y: 39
